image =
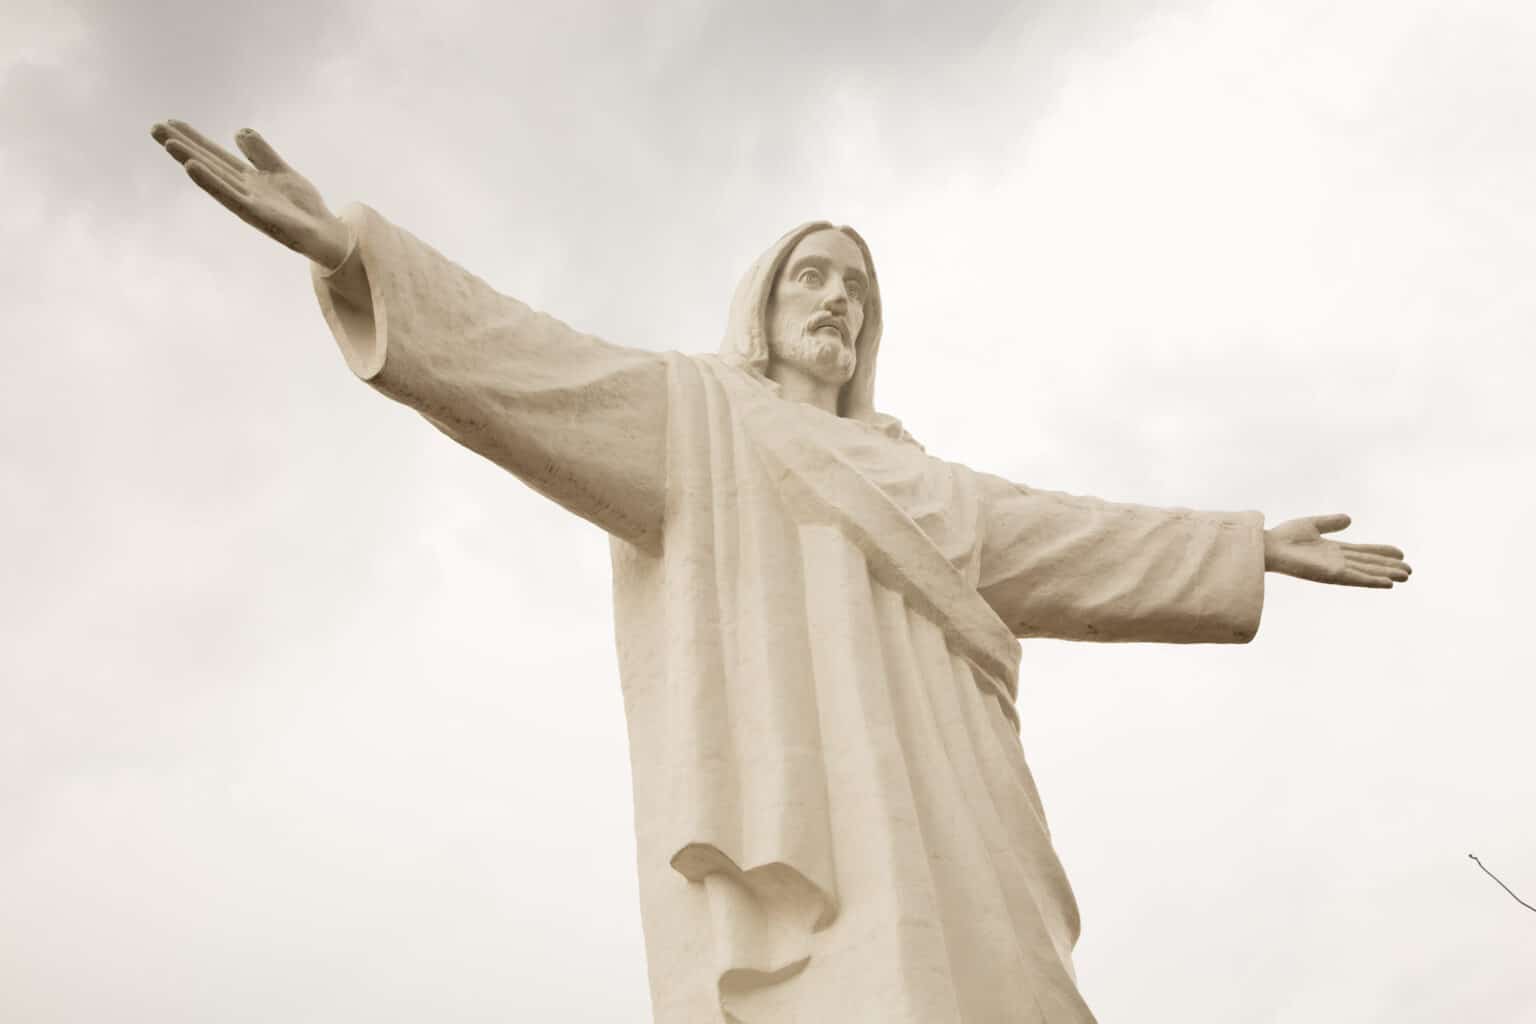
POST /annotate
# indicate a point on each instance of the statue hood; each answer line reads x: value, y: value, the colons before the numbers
x: 746, y: 334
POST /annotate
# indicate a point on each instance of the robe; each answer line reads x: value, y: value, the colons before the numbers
x: 818, y: 633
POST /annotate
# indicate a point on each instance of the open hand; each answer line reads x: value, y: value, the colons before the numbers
x: 265, y: 193
x: 1297, y: 548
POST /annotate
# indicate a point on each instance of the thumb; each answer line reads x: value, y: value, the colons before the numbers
x: 1330, y: 524
x: 259, y: 151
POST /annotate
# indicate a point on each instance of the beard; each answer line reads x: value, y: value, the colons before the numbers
x: 822, y: 355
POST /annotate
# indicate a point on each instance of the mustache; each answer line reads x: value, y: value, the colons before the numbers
x: 828, y: 320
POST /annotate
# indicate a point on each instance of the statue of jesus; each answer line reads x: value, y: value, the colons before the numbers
x: 817, y: 622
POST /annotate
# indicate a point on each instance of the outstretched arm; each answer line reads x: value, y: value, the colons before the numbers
x: 576, y: 418
x: 1078, y: 568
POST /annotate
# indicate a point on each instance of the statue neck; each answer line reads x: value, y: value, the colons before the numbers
x: 799, y: 386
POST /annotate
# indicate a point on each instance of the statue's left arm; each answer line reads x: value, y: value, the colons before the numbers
x: 1078, y: 568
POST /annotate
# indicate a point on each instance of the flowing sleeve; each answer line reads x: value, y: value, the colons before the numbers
x: 1076, y: 568
x: 579, y: 420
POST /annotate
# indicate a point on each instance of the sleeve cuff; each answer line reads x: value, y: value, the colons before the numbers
x: 1247, y: 604
x: 352, y: 311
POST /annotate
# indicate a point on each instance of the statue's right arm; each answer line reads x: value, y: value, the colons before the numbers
x: 580, y: 420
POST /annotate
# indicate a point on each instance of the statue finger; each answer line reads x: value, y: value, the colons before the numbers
x: 1382, y: 561
x: 1360, y: 578
x: 182, y: 152
x: 1393, y: 573
x: 1401, y: 576
x: 199, y: 141
x: 234, y: 183
x: 1331, y: 523
x: 179, y: 151
x: 220, y: 190
x: 1374, y: 549
x: 259, y: 151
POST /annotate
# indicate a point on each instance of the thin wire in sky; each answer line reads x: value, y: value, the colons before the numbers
x: 1506, y: 888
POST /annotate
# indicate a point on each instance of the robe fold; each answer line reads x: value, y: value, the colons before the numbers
x: 817, y: 630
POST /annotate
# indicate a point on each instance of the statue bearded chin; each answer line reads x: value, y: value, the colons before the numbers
x: 821, y: 351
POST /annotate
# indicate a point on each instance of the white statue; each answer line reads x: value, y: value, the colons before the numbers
x: 817, y: 621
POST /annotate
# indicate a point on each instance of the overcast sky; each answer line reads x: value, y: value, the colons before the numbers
x: 308, y: 715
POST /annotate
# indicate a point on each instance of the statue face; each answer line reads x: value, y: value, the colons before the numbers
x: 817, y: 307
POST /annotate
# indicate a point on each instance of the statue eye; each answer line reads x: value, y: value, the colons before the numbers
x: 810, y: 277
x: 856, y: 291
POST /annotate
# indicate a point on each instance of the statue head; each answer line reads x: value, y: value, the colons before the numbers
x: 816, y: 307
x: 812, y: 299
